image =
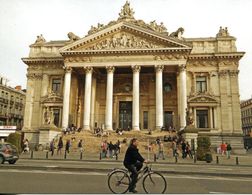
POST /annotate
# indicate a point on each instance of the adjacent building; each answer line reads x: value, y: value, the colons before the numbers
x: 136, y: 75
x: 12, y: 104
x: 246, y: 114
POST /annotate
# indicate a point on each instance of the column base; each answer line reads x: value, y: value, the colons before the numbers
x: 135, y: 128
x: 86, y: 128
x: 109, y: 129
x: 158, y: 128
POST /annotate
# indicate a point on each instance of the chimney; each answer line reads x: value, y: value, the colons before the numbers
x: 18, y: 87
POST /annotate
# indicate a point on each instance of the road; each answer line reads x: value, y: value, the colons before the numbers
x: 50, y: 181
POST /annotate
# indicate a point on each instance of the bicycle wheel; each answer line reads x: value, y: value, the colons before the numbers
x: 154, y: 183
x: 118, y: 182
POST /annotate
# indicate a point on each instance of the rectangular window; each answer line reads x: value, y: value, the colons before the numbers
x: 201, y: 84
x: 202, y: 118
x: 145, y: 119
x: 56, y: 84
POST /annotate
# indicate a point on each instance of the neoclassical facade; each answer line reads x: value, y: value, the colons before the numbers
x: 136, y: 75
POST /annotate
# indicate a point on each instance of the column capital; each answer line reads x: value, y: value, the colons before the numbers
x: 159, y: 68
x: 110, y: 69
x: 88, y: 69
x: 182, y: 67
x: 136, y: 68
x: 68, y: 69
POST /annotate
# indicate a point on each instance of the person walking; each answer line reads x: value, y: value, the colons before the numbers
x: 188, y: 150
x: 133, y: 161
x: 52, y: 147
x: 183, y: 146
x: 80, y: 146
x: 174, y: 148
x: 161, y: 150
x: 68, y: 144
x: 60, y: 146
x: 229, y: 148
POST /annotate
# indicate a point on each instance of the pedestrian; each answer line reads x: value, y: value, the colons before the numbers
x: 223, y: 148
x: 68, y: 144
x: 229, y: 148
x: 188, y: 150
x: 118, y: 143
x: 110, y: 149
x: 104, y: 148
x: 60, y: 146
x: 160, y: 150
x: 52, y: 147
x: 174, y: 148
x: 80, y: 146
x: 26, y: 146
x: 183, y: 146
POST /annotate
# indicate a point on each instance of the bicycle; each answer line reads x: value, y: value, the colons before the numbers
x: 153, y: 182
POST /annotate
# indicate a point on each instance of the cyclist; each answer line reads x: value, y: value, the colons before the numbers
x: 133, y: 161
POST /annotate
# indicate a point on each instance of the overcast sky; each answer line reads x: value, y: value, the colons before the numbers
x: 22, y: 20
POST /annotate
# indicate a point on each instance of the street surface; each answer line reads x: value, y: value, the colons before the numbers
x: 39, y: 181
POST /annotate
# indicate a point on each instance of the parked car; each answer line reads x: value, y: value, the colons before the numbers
x: 8, y: 152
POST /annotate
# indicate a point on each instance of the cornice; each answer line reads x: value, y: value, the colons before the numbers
x: 236, y: 55
x: 42, y: 60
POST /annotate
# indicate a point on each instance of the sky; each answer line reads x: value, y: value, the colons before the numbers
x: 22, y: 20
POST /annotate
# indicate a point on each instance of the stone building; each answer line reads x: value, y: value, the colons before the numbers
x: 136, y: 75
x: 12, y: 104
x: 246, y: 114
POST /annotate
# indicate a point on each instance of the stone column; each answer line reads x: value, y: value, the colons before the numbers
x: 211, y: 117
x: 109, y: 98
x: 135, y: 119
x: 45, y: 83
x: 87, y: 101
x: 183, y: 96
x: 66, y: 98
x: 93, y: 102
x: 159, y: 97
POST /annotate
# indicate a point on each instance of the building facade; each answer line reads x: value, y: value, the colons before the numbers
x: 136, y: 75
x: 246, y: 114
x: 12, y: 105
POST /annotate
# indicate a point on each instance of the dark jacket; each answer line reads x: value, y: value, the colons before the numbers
x: 132, y: 156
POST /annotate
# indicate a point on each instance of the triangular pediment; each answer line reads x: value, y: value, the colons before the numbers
x: 124, y: 36
x: 203, y: 99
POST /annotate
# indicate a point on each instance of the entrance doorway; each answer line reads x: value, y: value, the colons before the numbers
x: 125, y: 115
x: 168, y: 120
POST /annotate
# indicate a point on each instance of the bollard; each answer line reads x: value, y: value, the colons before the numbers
x: 217, y: 159
x: 47, y: 155
x: 116, y: 156
x: 237, y: 160
x: 100, y: 155
x: 65, y: 154
x: 81, y: 155
x: 32, y: 154
x: 155, y: 158
x: 176, y: 158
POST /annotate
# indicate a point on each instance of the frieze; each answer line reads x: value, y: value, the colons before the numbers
x: 34, y: 76
x: 44, y: 67
x: 223, y: 73
x: 228, y: 63
x: 78, y: 59
x: 170, y: 57
x: 203, y: 63
x: 202, y: 98
x: 53, y: 98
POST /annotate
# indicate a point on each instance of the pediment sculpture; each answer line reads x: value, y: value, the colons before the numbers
x: 124, y: 41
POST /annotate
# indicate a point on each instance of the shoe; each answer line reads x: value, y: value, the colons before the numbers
x: 133, y: 191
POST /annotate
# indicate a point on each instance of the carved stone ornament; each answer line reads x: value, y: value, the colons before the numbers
x: 34, y: 76
x: 40, y: 39
x: 88, y: 69
x: 159, y: 68
x: 223, y: 73
x: 178, y: 33
x: 124, y: 41
x: 202, y: 98
x: 127, y: 14
x: 72, y: 36
x: 170, y: 57
x: 203, y: 63
x: 44, y: 67
x: 79, y: 59
x: 136, y: 68
x: 110, y: 69
x: 182, y: 67
x: 68, y: 69
x: 233, y: 73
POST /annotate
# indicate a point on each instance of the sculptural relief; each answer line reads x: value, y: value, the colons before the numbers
x: 40, y: 39
x: 223, y: 32
x: 72, y: 36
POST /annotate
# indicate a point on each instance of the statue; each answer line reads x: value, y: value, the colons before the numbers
x: 178, y: 33
x: 40, y: 39
x: 48, y: 117
x: 126, y: 12
x: 92, y: 30
x: 223, y: 32
x: 189, y: 117
x: 72, y: 36
x: 153, y: 25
